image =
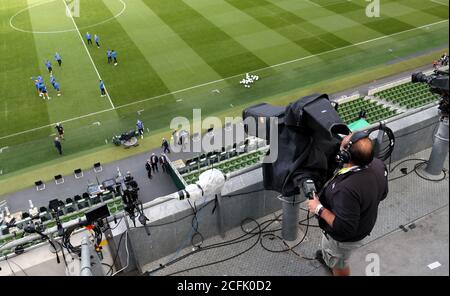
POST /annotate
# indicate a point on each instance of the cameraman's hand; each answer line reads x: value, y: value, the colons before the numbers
x: 313, y: 203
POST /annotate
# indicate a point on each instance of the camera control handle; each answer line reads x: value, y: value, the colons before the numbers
x: 309, y: 188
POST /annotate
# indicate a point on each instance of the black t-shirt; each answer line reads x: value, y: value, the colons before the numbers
x: 60, y: 129
x: 354, y: 198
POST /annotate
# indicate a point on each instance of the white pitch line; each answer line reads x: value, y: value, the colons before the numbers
x: 440, y: 3
x: 313, y: 3
x: 219, y: 80
x: 53, y: 124
x: 87, y: 50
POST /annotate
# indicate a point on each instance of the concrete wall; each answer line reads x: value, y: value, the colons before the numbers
x: 414, y: 133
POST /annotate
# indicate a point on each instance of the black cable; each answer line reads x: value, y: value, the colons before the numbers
x: 117, y: 255
x: 20, y: 267
x: 415, y: 170
x: 407, y: 160
x: 117, y: 224
x: 177, y: 220
x: 223, y: 260
x: 64, y: 255
x: 244, y: 193
x: 194, y: 225
x: 223, y: 244
x: 46, y: 237
x: 66, y: 241
x: 237, y: 240
x: 288, y: 248
x: 107, y: 265
x: 417, y: 166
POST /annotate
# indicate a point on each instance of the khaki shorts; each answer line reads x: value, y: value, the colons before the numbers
x: 337, y: 254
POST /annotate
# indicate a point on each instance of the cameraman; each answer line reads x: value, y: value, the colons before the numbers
x: 348, y: 207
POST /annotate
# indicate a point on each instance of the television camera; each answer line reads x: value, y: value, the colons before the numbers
x: 307, y: 136
x: 133, y: 206
x: 438, y: 83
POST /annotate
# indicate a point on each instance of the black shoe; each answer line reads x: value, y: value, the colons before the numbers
x: 319, y: 257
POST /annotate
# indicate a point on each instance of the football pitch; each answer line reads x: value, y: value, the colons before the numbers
x: 176, y: 55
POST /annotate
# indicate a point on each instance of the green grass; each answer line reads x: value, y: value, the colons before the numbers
x: 171, y: 50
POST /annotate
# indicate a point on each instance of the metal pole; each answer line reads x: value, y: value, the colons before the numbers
x: 440, y: 149
x: 290, y: 208
x: 220, y: 222
x: 85, y: 269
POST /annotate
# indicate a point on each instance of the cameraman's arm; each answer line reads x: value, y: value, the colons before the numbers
x: 328, y: 217
x: 344, y: 219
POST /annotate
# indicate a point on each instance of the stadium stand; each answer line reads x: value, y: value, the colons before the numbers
x: 408, y: 95
x: 375, y: 111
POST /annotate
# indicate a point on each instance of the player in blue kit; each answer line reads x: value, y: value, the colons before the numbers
x: 48, y: 65
x: 114, y: 56
x: 37, y: 82
x: 56, y: 87
x: 58, y: 59
x: 108, y: 54
x: 44, y: 92
x: 89, y: 38
x: 97, y: 40
x: 102, y: 89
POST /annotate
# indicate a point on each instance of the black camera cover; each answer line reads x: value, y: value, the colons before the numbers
x: 308, y: 142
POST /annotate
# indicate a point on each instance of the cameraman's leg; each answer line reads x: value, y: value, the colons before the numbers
x: 337, y: 254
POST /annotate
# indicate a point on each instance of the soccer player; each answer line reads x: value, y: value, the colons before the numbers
x: 58, y: 59
x: 89, y: 38
x: 140, y: 128
x: 37, y: 83
x: 44, y: 91
x: 102, y: 89
x: 60, y: 130
x: 48, y: 65
x: 56, y: 87
x: 58, y: 146
x: 114, y: 56
x: 97, y: 40
x: 108, y: 54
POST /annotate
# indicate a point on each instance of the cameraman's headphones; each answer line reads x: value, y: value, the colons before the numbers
x: 345, y: 155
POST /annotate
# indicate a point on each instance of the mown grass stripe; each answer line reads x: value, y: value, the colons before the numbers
x: 297, y: 29
x: 225, y: 55
x: 177, y: 64
x: 433, y: 8
x: 18, y: 96
x: 384, y: 24
x: 264, y: 42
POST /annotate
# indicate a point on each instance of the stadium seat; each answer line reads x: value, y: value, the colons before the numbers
x: 78, y: 173
x: 39, y: 185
